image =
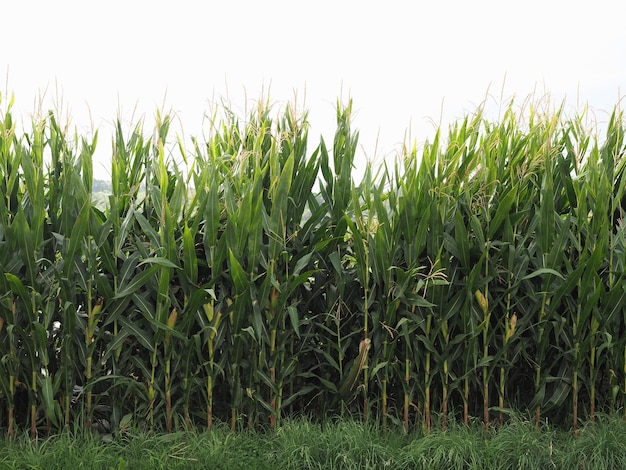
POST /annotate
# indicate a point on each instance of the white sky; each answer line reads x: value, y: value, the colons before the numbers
x: 407, y: 63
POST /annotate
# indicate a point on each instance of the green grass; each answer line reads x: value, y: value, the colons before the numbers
x: 344, y: 444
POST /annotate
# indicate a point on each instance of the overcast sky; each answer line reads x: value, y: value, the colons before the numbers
x: 407, y: 63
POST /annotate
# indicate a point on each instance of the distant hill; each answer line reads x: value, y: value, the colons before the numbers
x: 101, y: 186
x: 101, y: 190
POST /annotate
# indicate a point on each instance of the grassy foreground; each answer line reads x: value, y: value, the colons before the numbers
x: 300, y: 444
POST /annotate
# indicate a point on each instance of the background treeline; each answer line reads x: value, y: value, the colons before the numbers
x: 249, y: 277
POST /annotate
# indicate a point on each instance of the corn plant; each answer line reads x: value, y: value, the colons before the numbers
x: 248, y: 277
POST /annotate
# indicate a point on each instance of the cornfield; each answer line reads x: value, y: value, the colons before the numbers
x: 248, y: 278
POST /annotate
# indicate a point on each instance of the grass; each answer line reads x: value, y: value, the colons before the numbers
x: 344, y: 444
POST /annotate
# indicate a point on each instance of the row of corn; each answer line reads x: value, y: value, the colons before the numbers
x: 248, y: 278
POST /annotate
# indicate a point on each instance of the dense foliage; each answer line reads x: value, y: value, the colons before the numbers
x: 249, y: 277
x: 338, y: 445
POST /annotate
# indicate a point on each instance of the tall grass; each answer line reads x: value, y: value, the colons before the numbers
x: 249, y: 278
x: 343, y: 444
